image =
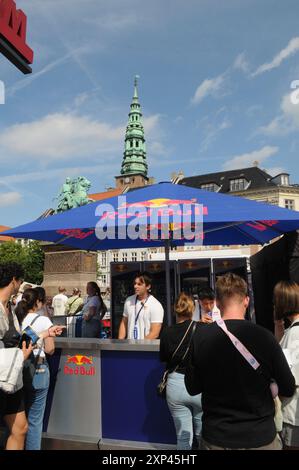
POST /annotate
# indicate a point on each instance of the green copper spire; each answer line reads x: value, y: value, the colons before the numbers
x: 134, y: 160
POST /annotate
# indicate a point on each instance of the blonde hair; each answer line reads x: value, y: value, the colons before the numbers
x: 184, y: 306
x: 230, y: 285
x: 286, y: 299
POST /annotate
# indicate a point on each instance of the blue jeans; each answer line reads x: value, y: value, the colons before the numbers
x: 185, y: 410
x: 35, y: 402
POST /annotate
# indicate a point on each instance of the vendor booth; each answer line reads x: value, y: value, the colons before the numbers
x: 103, y: 395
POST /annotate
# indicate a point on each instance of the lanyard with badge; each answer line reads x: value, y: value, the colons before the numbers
x: 135, y: 332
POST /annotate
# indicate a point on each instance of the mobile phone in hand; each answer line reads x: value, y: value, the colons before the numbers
x: 28, y: 335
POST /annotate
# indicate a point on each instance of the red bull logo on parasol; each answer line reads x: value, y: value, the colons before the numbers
x: 80, y: 362
x: 153, y: 219
x: 75, y: 233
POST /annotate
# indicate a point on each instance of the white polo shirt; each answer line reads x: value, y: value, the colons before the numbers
x: 140, y: 318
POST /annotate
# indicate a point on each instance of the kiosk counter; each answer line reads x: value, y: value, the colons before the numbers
x: 103, y: 394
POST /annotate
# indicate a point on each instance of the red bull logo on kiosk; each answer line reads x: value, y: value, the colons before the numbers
x: 153, y: 219
x: 79, y: 365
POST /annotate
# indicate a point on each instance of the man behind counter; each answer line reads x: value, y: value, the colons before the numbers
x: 143, y: 313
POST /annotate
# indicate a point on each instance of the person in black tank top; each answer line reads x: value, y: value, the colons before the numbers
x: 185, y: 410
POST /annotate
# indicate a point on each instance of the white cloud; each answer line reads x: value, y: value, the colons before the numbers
x: 241, y: 63
x: 9, y: 199
x: 66, y: 137
x: 275, y: 128
x: 60, y: 137
x: 292, y: 48
x: 247, y: 159
x: 208, y: 87
x: 150, y: 123
x: 285, y: 123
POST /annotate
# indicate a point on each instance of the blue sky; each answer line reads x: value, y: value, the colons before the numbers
x: 214, y: 87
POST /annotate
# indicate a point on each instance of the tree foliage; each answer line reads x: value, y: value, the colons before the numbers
x: 30, y: 257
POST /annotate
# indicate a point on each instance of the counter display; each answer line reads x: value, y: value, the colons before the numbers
x: 103, y: 393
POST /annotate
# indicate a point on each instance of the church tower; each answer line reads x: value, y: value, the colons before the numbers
x: 134, y: 168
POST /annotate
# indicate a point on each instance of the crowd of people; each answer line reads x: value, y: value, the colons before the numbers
x: 219, y: 395
x: 23, y: 411
x: 222, y: 369
x: 220, y: 366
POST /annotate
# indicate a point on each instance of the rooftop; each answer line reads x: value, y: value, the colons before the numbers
x: 254, y: 176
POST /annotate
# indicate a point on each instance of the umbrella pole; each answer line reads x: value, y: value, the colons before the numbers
x: 167, y: 277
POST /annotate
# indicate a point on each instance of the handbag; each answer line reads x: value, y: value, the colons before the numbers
x: 11, y: 369
x: 161, y: 388
x: 11, y: 358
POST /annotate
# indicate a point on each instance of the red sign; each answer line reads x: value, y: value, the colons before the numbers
x: 81, y: 364
x: 13, y: 25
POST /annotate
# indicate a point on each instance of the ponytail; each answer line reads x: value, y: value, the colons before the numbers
x: 28, y: 302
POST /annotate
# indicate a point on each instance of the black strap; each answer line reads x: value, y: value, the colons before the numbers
x: 34, y: 319
x: 143, y: 304
x: 10, y: 316
x: 35, y: 357
x: 295, y: 324
x: 189, y: 344
x: 188, y: 347
x: 69, y: 306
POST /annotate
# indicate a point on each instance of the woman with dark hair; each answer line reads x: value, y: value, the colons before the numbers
x: 36, y: 390
x: 93, y: 311
x: 12, y: 407
x: 286, y: 307
x: 185, y: 409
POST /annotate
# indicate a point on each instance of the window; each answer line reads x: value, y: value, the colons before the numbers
x: 143, y: 255
x: 131, y: 143
x: 115, y: 257
x: 137, y: 143
x: 103, y: 259
x: 103, y: 279
x: 209, y: 187
x: 125, y: 257
x: 289, y: 204
x: 237, y: 184
x: 134, y: 256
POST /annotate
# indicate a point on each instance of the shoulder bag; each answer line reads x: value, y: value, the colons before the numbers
x: 11, y: 360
